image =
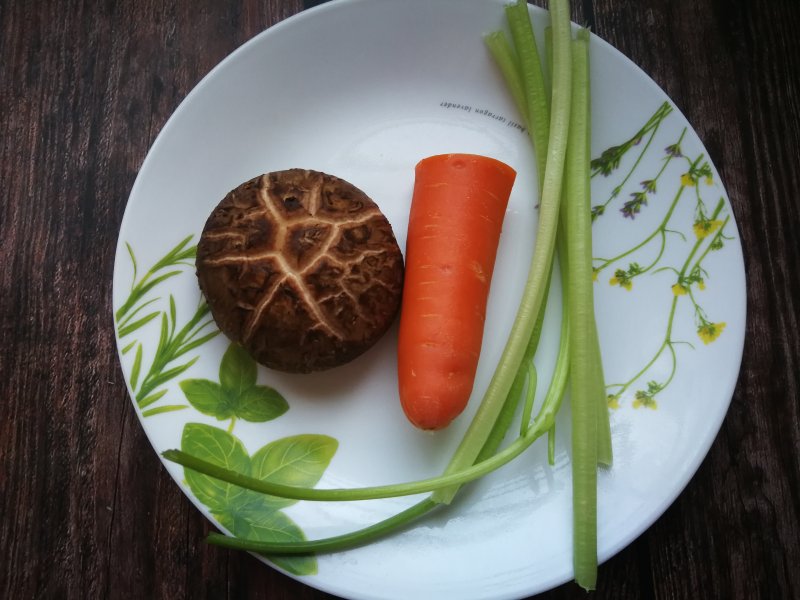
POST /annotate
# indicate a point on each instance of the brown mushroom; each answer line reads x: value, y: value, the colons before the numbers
x: 301, y: 268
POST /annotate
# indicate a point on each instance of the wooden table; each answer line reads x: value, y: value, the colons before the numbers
x: 86, y: 510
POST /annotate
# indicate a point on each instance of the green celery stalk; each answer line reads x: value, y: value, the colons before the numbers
x: 581, y: 315
x: 530, y: 68
x: 508, y: 63
x: 605, y: 454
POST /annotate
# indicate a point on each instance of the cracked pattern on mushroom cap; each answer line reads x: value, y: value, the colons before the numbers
x: 301, y: 268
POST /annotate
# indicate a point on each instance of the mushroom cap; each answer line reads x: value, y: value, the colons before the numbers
x: 301, y: 268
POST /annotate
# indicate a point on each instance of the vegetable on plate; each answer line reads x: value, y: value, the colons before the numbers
x: 301, y: 268
x: 457, y: 212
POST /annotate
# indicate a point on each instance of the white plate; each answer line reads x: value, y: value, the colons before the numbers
x: 365, y: 89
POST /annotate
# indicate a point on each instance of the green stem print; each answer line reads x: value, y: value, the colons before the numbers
x: 172, y: 346
x: 709, y: 236
x: 610, y: 159
x: 181, y: 255
x: 681, y: 288
x: 624, y: 277
x: 173, y: 343
x: 299, y: 460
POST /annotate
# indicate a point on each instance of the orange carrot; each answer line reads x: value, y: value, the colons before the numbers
x: 454, y: 228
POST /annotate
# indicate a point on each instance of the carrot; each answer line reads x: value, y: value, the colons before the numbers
x: 457, y: 212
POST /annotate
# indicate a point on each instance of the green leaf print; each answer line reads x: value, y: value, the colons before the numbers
x: 261, y: 403
x: 221, y: 448
x: 296, y: 460
x: 208, y: 397
x: 236, y: 395
x: 271, y: 527
x: 299, y: 460
x: 237, y: 371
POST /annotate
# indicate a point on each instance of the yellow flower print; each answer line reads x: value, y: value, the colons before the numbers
x: 701, y: 284
x: 708, y: 332
x: 623, y: 282
x: 709, y: 180
x: 613, y: 401
x: 704, y: 227
x: 679, y: 290
x: 624, y: 278
x: 643, y: 399
x: 594, y: 274
x: 687, y: 180
x: 648, y: 398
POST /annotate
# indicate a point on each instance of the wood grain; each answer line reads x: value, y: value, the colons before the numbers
x: 86, y: 509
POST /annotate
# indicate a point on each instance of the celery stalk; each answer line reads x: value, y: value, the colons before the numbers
x: 508, y: 63
x: 581, y: 315
x: 530, y: 68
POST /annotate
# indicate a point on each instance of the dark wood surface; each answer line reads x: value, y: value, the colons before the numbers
x: 86, y: 511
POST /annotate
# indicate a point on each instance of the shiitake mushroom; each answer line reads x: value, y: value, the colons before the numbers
x: 301, y: 268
